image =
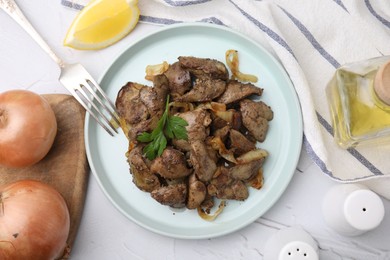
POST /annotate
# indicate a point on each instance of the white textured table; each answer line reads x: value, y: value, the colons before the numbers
x: 104, y: 232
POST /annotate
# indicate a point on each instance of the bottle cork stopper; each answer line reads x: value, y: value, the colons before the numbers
x: 382, y: 83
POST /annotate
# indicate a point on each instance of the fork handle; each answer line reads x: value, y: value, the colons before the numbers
x: 12, y: 9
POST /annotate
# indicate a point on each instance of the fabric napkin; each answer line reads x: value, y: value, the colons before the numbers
x: 311, y: 39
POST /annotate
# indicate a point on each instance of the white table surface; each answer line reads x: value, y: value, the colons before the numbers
x: 104, y: 232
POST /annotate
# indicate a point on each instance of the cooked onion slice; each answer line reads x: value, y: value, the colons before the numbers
x: 257, y: 181
x: 217, y: 144
x: 251, y: 156
x: 219, y: 110
x: 184, y: 105
x: 211, y: 217
x: 215, y: 106
x: 154, y: 70
x: 231, y: 57
x: 226, y: 115
x: 125, y: 127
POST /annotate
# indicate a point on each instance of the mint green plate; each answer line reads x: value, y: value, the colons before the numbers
x: 106, y: 154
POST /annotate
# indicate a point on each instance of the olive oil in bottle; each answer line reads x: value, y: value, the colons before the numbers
x: 359, y: 101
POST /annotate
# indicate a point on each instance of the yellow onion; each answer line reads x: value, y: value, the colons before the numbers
x: 28, y: 128
x: 34, y: 221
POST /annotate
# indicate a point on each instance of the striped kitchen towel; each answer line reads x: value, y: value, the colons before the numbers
x: 311, y: 39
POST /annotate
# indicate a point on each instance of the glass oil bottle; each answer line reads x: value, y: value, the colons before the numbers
x: 359, y: 100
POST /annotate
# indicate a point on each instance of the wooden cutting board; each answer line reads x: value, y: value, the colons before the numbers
x: 65, y: 167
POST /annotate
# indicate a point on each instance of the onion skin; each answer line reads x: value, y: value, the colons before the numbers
x: 28, y: 128
x: 34, y: 221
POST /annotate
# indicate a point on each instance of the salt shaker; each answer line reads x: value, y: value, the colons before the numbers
x: 359, y: 100
x: 352, y: 209
x: 292, y: 243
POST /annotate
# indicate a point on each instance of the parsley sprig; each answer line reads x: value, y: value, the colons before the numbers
x: 172, y: 127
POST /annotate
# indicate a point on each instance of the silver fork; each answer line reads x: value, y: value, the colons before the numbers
x: 74, y: 77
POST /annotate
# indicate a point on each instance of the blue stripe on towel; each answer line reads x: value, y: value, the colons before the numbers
x: 72, y: 5
x: 324, y: 123
x: 312, y: 40
x: 364, y: 161
x: 340, y: 3
x: 315, y: 158
x: 185, y: 3
x: 376, y: 15
x: 212, y: 20
x: 323, y: 167
x: 165, y: 21
x: 158, y: 20
x: 265, y: 29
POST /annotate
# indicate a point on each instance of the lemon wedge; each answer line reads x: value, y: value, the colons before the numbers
x: 102, y: 23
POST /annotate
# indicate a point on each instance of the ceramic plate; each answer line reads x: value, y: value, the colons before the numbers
x: 106, y: 154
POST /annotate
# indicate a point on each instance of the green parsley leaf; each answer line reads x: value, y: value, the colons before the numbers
x: 175, y: 128
x: 162, y: 141
x: 145, y: 137
x: 172, y: 127
x: 149, y: 151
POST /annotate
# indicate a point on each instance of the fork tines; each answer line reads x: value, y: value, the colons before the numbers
x: 99, y: 106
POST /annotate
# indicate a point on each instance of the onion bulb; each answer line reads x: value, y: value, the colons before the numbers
x: 28, y: 127
x: 34, y: 221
